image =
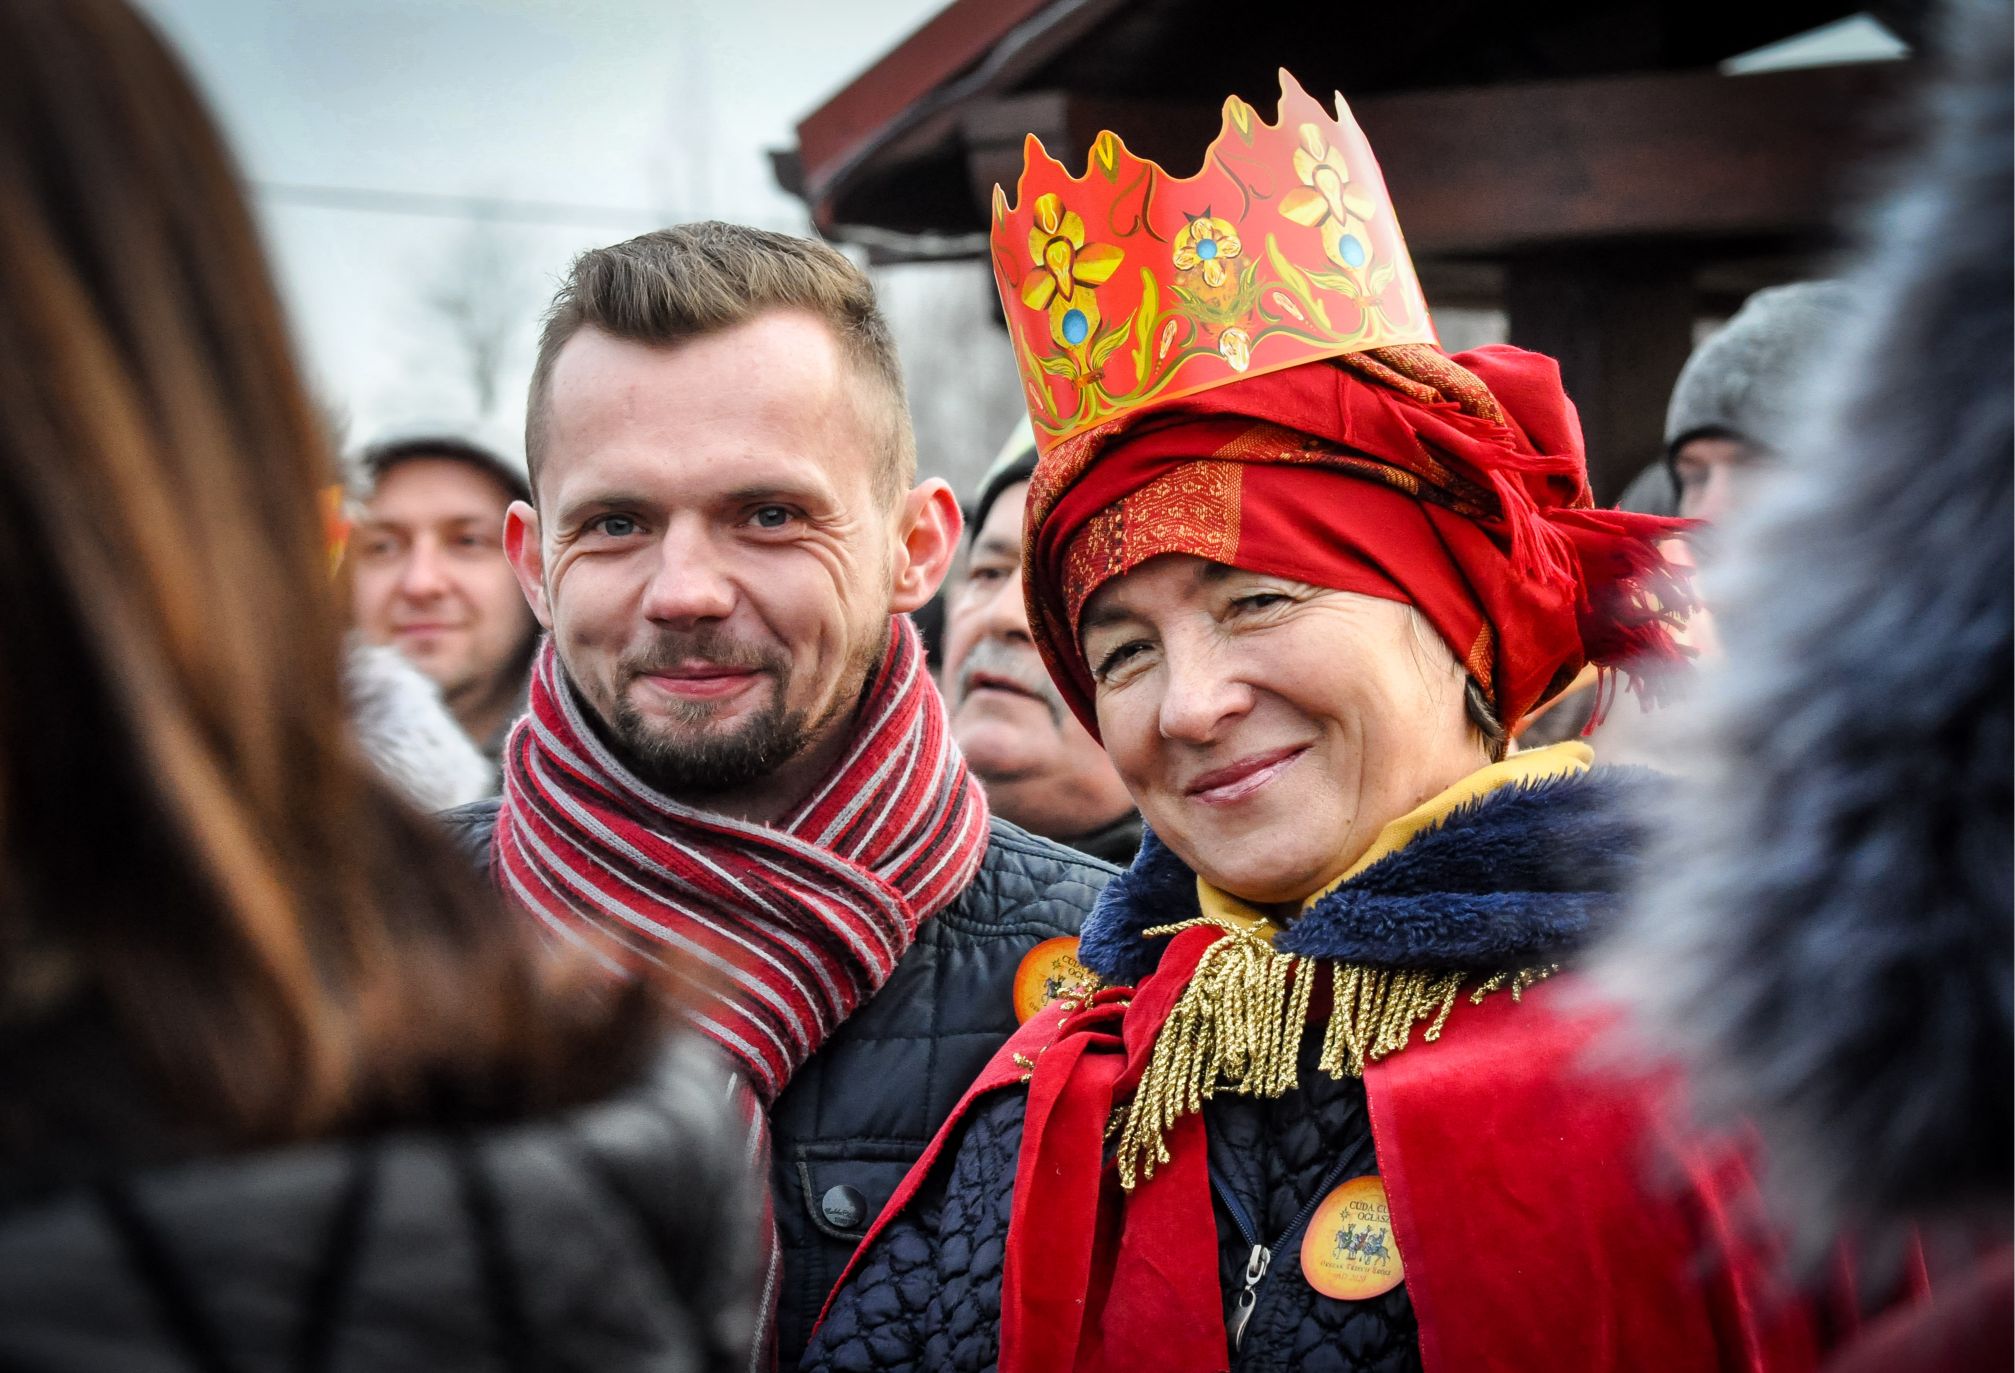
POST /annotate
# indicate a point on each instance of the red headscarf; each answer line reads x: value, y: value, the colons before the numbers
x: 1457, y: 486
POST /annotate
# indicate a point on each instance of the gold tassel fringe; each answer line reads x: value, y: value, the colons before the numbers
x: 1238, y: 1027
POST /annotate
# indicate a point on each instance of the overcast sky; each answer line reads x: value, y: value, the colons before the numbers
x: 612, y: 115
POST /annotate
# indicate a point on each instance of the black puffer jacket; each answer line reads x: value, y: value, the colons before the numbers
x: 861, y: 1110
x: 616, y: 1237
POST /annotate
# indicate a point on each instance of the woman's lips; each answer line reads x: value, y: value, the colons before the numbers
x: 1241, y: 779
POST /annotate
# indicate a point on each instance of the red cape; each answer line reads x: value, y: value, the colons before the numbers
x: 1544, y: 1219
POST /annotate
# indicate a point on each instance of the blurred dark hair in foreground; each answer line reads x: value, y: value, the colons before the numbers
x: 1828, y: 932
x: 191, y: 853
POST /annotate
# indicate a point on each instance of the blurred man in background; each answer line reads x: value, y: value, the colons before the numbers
x: 1040, y: 768
x: 431, y: 579
x: 1735, y: 398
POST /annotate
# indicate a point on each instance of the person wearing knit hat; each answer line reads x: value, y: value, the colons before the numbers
x: 1734, y: 399
x: 429, y: 577
x: 1041, y: 770
x: 1326, y: 1098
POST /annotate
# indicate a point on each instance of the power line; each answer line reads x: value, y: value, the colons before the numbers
x: 433, y: 205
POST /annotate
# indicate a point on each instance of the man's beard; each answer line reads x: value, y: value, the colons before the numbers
x: 680, y: 757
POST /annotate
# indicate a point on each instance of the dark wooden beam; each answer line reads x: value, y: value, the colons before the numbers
x: 1505, y: 170
x: 1678, y: 155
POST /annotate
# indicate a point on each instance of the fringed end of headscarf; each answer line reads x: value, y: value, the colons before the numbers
x: 1634, y: 598
x: 1609, y: 565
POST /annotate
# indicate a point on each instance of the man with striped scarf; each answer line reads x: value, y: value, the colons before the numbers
x: 735, y: 773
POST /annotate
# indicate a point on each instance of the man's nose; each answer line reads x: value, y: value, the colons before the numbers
x: 425, y: 574
x: 1005, y: 614
x: 689, y: 583
x: 1202, y: 692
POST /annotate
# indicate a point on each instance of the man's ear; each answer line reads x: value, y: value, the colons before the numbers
x: 527, y: 558
x: 927, y: 539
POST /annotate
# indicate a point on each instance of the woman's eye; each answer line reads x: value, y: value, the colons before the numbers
x: 1260, y: 600
x: 1118, y: 658
x: 770, y: 517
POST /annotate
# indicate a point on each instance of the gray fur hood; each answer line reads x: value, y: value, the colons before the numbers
x: 1826, y: 934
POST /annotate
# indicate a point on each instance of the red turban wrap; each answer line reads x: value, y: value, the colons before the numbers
x: 1457, y: 486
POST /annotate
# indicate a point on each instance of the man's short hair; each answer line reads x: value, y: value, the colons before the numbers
x: 381, y: 458
x: 696, y: 279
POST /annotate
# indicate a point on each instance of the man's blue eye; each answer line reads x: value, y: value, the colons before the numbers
x: 617, y: 526
x: 772, y: 517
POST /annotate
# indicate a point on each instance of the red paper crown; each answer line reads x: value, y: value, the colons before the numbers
x: 1127, y: 286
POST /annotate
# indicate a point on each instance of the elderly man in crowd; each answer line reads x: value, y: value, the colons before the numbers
x: 1040, y: 767
x: 430, y: 579
x: 735, y: 771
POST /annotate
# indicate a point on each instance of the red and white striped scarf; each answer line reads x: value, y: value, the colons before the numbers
x: 781, y: 931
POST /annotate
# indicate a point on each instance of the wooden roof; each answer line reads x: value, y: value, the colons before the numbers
x: 1501, y: 127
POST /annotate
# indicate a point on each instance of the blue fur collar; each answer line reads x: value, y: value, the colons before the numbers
x: 1519, y: 877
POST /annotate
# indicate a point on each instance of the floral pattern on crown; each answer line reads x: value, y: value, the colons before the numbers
x: 1126, y: 286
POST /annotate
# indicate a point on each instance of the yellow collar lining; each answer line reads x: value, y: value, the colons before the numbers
x: 1520, y: 769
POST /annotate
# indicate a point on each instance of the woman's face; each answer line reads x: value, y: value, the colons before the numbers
x: 1268, y: 729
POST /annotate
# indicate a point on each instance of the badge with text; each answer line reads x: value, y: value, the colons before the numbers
x: 1349, y: 1252
x: 1049, y: 970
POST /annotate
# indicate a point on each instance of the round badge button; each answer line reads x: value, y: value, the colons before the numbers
x: 844, y: 1207
x: 1047, y: 971
x: 1349, y: 1252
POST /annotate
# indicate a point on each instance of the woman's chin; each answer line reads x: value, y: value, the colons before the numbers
x: 1272, y: 879
x: 1265, y: 860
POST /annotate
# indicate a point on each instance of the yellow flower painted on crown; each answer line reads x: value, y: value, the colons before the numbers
x: 1208, y: 243
x: 1327, y: 198
x: 1069, y: 271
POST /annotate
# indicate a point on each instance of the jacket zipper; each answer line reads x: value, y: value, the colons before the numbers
x: 1260, y: 1260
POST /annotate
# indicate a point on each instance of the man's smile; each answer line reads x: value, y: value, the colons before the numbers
x: 701, y: 681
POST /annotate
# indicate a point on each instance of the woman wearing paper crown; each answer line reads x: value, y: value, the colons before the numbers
x: 1326, y: 1105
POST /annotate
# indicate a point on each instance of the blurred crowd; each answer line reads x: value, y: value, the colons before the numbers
x: 694, y: 893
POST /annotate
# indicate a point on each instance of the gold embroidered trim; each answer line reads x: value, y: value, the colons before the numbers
x: 1238, y: 1027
